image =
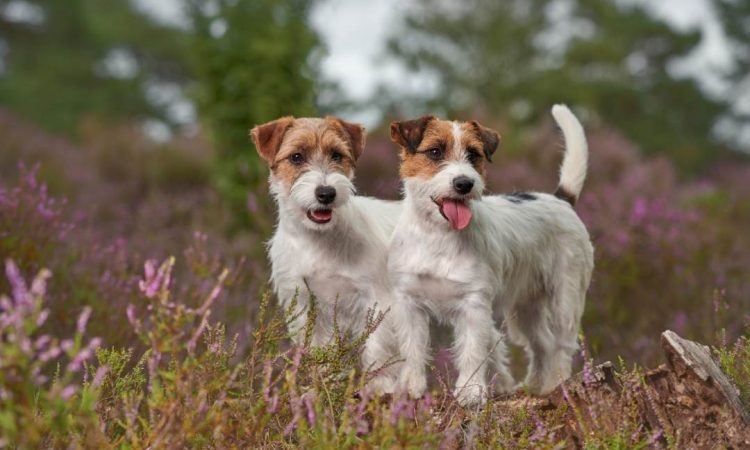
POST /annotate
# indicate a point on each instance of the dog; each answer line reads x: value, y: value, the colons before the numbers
x: 328, y: 242
x: 470, y: 260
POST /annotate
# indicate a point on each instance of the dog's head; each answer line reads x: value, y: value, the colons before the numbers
x: 443, y: 166
x: 312, y: 165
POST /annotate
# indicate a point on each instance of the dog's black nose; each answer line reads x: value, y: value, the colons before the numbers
x: 463, y: 184
x: 325, y: 194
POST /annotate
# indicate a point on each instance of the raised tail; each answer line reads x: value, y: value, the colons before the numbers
x: 575, y: 161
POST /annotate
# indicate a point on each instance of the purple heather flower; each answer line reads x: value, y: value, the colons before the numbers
x: 39, y: 284
x: 152, y: 281
x: 42, y: 341
x: 656, y: 437
x: 402, y: 408
x: 20, y: 292
x: 639, y: 211
x: 42, y: 317
x: 68, y: 392
x: 84, y: 355
x: 51, y: 353
x: 130, y: 313
x: 194, y: 339
x: 540, y: 432
x: 310, y: 409
x: 83, y: 320
x: 101, y: 372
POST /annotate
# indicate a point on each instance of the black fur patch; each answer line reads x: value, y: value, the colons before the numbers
x: 563, y: 194
x: 520, y: 197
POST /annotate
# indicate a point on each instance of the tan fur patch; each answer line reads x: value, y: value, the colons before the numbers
x: 316, y: 140
x: 439, y: 134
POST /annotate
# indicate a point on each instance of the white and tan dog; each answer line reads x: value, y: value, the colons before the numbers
x: 328, y: 241
x: 469, y: 260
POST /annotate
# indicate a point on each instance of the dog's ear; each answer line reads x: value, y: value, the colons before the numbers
x: 408, y: 133
x: 267, y: 137
x: 355, y: 133
x: 489, y: 137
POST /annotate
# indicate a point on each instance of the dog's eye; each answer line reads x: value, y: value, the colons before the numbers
x: 435, y: 154
x: 297, y: 158
x: 336, y: 157
x: 472, y: 154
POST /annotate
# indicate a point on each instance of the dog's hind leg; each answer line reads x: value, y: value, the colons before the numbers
x: 499, y: 351
x: 549, y: 325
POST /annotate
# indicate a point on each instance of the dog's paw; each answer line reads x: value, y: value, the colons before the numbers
x: 470, y: 395
x: 504, y: 383
x: 381, y: 385
x: 414, y: 382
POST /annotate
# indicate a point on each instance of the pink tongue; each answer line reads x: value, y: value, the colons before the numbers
x: 322, y: 215
x: 457, y: 213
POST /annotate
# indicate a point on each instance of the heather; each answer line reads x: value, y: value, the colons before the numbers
x: 135, y: 314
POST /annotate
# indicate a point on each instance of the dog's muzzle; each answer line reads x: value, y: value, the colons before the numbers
x: 325, y: 195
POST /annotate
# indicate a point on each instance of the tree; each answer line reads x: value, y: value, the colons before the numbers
x: 735, y: 17
x: 255, y: 61
x: 55, y: 70
x: 516, y: 58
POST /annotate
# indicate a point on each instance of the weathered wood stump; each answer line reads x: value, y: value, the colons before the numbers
x: 688, y: 402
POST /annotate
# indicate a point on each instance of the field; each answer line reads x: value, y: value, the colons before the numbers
x: 136, y: 313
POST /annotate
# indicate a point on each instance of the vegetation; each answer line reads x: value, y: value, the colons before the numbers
x: 104, y: 351
x: 188, y: 388
x: 105, y: 53
x: 131, y: 317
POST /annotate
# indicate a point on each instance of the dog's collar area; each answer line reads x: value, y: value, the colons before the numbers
x: 320, y: 216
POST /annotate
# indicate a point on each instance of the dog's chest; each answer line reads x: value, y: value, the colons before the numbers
x: 330, y: 275
x: 436, y: 268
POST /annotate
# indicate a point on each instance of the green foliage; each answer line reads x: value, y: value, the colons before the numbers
x: 190, y: 389
x: 54, y: 71
x: 254, y: 61
x: 735, y: 17
x: 735, y: 360
x: 43, y: 402
x: 514, y: 59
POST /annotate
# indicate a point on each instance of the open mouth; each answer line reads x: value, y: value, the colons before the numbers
x: 455, y: 211
x: 320, y: 215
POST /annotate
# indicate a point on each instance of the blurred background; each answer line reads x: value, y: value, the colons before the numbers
x: 124, y: 136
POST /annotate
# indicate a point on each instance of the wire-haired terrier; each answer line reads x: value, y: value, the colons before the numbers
x: 471, y: 260
x: 328, y: 241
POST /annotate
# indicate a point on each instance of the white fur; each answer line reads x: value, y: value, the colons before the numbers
x: 343, y: 262
x: 527, y: 262
x: 575, y: 162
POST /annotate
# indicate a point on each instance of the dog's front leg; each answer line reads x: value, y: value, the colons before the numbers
x: 473, y: 331
x: 379, y: 355
x: 412, y: 329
